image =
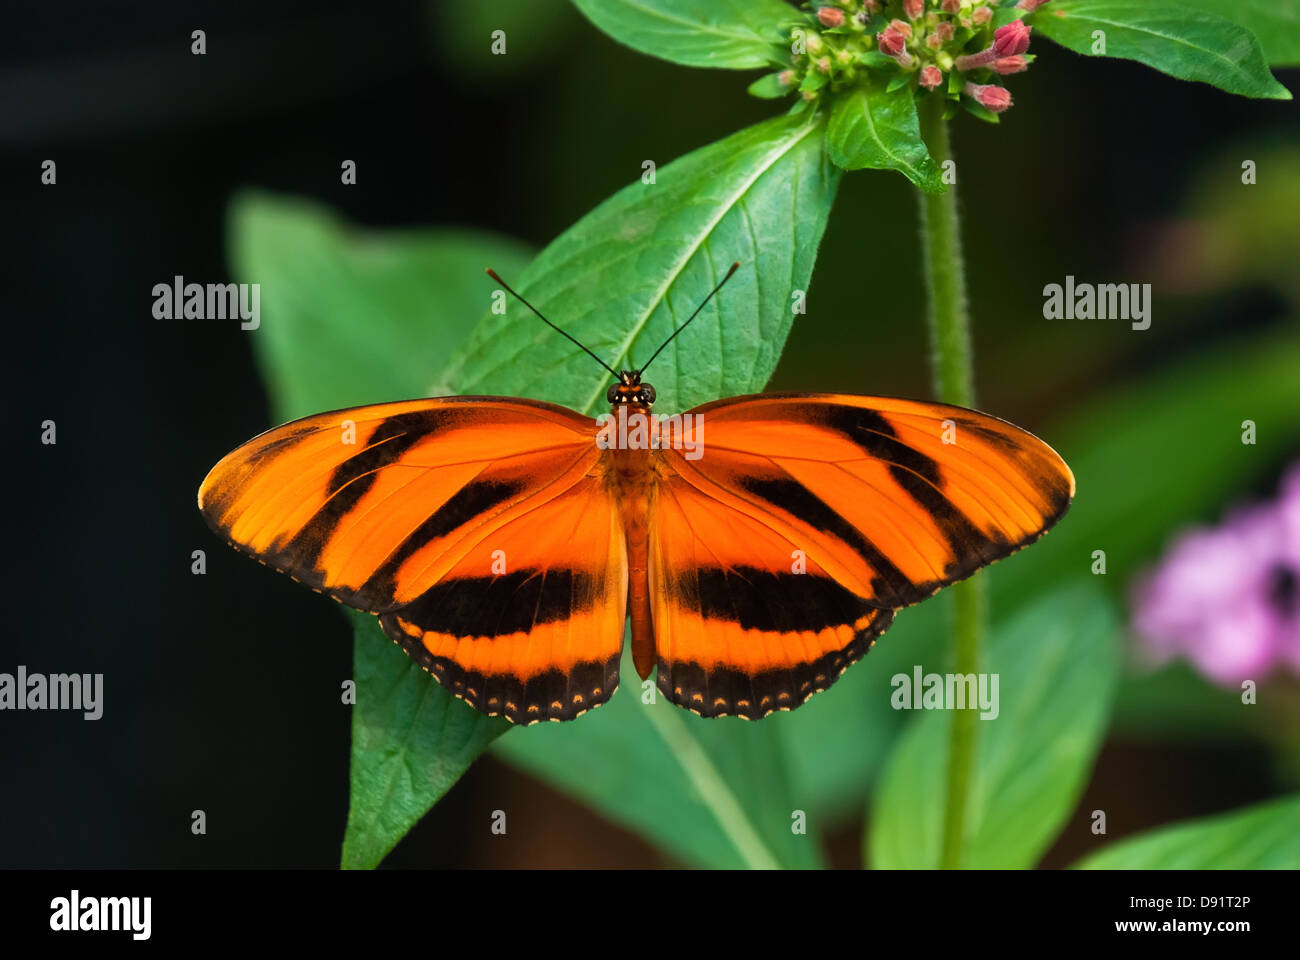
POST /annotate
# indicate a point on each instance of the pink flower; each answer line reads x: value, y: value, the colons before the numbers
x: 982, y: 16
x: 1227, y: 598
x: 901, y: 26
x: 1030, y: 5
x: 1011, y: 39
x: 913, y: 8
x: 950, y: 6
x: 931, y: 77
x: 992, y: 97
x: 830, y: 16
x: 1005, y: 65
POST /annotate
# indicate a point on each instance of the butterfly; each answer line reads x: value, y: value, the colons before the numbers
x: 759, y: 544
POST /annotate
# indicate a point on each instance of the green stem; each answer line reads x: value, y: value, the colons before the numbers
x: 711, y: 788
x: 953, y: 372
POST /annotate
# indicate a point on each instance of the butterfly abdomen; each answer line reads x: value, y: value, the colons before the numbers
x: 631, y: 477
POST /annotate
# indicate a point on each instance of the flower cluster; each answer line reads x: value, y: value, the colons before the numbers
x: 1228, y: 597
x: 959, y: 46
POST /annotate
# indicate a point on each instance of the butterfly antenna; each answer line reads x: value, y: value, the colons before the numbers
x: 734, y: 267
x: 493, y: 274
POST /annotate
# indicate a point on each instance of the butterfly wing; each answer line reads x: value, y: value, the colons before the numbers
x: 780, y: 553
x: 479, y: 529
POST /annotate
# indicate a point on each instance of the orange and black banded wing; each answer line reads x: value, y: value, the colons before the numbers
x: 413, y: 511
x: 745, y: 622
x: 882, y: 501
x: 529, y: 623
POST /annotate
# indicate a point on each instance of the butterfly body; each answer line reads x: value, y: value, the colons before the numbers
x: 759, y: 545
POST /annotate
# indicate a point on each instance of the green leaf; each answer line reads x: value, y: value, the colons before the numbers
x: 737, y: 34
x: 977, y: 109
x: 1056, y: 663
x: 769, y: 87
x: 870, y: 128
x: 1185, y: 43
x: 411, y: 741
x: 1265, y: 836
x: 1276, y: 23
x: 352, y: 316
x: 355, y: 316
x: 631, y: 271
x: 712, y: 793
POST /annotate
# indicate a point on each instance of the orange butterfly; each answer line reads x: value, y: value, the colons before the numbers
x: 760, y: 544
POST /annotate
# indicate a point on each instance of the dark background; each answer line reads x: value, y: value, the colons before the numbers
x: 221, y: 692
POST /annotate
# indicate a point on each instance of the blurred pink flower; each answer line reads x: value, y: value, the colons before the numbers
x: 1227, y: 598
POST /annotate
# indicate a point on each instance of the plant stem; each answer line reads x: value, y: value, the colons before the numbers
x: 953, y: 372
x: 712, y: 788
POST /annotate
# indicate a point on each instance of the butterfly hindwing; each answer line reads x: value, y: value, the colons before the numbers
x: 443, y: 516
x: 780, y: 553
x: 744, y: 622
x: 529, y: 623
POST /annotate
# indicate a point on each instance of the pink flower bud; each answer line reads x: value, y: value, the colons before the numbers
x: 891, y: 43
x: 786, y: 77
x: 945, y: 30
x: 950, y: 6
x: 824, y: 64
x: 1005, y: 65
x: 1030, y: 5
x: 914, y: 8
x: 933, y: 41
x: 991, y: 97
x: 901, y: 26
x: 931, y: 77
x: 1011, y: 39
x: 873, y: 6
x: 981, y: 16
x: 830, y: 16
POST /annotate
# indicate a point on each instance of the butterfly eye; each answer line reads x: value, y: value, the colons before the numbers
x: 648, y: 392
x: 612, y: 393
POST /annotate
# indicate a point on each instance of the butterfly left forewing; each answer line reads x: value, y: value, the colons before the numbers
x: 477, y: 527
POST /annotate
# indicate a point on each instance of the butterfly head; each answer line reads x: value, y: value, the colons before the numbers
x: 630, y: 390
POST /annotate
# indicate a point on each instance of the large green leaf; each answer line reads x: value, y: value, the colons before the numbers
x: 1165, y: 34
x: 355, y: 316
x: 1265, y: 836
x: 870, y: 128
x: 411, y: 741
x: 739, y: 34
x: 626, y: 275
x: 1056, y: 664
x: 1275, y: 22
